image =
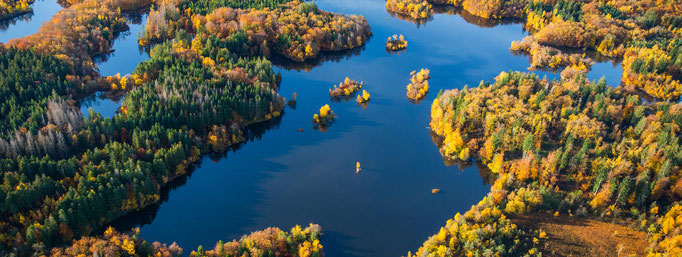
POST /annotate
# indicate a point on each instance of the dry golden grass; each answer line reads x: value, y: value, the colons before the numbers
x: 574, y: 236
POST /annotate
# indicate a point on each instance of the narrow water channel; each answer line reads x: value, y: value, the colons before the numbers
x: 126, y: 53
x: 124, y: 57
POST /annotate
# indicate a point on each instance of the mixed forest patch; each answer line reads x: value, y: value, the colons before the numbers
x: 573, y: 147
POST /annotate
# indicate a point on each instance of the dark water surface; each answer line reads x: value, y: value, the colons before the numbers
x: 283, y: 177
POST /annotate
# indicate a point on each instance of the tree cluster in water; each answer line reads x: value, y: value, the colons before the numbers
x: 345, y: 90
x: 396, y: 43
x: 419, y: 85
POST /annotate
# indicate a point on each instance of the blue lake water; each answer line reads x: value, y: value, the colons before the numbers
x: 126, y: 51
x: 283, y: 177
x: 29, y: 23
x: 105, y: 106
x: 123, y: 59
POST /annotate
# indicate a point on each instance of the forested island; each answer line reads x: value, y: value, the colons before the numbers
x: 571, y: 147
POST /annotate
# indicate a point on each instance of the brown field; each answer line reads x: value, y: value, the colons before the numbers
x: 573, y: 236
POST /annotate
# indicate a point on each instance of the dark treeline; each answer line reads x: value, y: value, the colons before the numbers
x: 105, y: 168
x: 28, y: 81
x: 204, y: 7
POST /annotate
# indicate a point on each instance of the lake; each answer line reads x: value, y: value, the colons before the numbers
x: 283, y: 177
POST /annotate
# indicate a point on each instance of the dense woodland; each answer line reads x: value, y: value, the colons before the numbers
x: 73, y: 174
x: 113, y: 243
x: 571, y: 146
x: 65, y: 177
x: 298, y: 31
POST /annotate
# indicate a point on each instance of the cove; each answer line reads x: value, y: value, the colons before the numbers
x: 124, y: 57
x: 29, y: 23
x: 284, y: 177
x: 126, y: 53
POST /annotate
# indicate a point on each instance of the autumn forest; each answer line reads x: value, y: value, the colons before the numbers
x: 274, y: 127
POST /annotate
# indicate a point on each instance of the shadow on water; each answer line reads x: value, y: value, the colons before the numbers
x: 418, y: 22
x: 146, y: 215
x: 452, y: 10
x: 326, y: 56
x: 137, y: 16
x: 4, y: 25
x: 105, y: 103
x: 125, y: 43
x: 473, y: 19
x: 342, y: 244
x: 252, y: 133
x: 487, y: 177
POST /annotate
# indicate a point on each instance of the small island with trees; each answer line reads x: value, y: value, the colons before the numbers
x: 419, y: 85
x: 396, y: 43
x: 345, y: 90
